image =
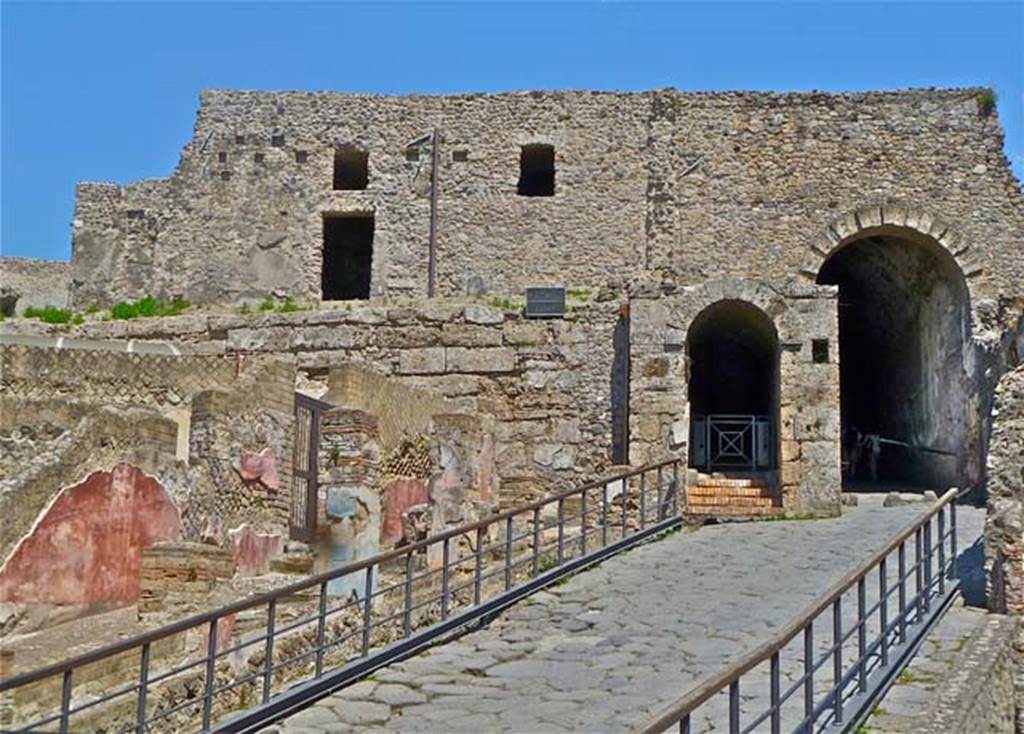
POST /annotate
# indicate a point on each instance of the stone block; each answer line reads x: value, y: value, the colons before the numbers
x: 313, y: 338
x: 485, y: 359
x: 465, y: 335
x: 430, y: 360
x: 476, y: 313
x: 525, y: 333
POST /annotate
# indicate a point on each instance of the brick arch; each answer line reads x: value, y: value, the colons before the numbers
x: 910, y: 218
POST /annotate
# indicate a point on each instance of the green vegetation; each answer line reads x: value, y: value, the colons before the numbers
x: 50, y: 315
x: 267, y: 304
x: 288, y: 305
x: 506, y: 304
x: 579, y: 294
x: 987, y: 101
x: 147, y: 307
x: 244, y: 309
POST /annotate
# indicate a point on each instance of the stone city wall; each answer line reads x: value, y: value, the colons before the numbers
x: 26, y: 282
x: 700, y: 185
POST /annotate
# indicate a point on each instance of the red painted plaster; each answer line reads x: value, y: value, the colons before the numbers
x: 252, y: 551
x: 86, y: 547
x: 261, y: 467
x: 399, y: 496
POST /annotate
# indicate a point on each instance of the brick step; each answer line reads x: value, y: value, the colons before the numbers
x: 732, y: 501
x: 706, y: 480
x: 728, y: 510
x: 711, y: 491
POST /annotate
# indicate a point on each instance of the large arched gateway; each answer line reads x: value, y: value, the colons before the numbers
x: 904, y: 327
x: 733, y: 388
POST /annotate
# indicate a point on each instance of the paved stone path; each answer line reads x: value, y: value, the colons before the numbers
x: 611, y: 645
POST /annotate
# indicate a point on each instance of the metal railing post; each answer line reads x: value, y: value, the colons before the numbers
x: 625, y: 497
x: 407, y: 611
x: 883, y: 610
x: 775, y: 692
x: 953, y: 541
x: 536, y: 541
x: 862, y: 635
x: 918, y: 575
x: 926, y: 601
x: 660, y: 514
x: 942, y: 551
x: 734, y: 707
x: 837, y: 658
x: 321, y: 630
x: 140, y: 709
x: 368, y: 610
x: 675, y: 485
x: 478, y: 566
x: 444, y: 579
x: 65, y: 702
x: 902, y: 572
x: 604, y: 514
x: 583, y: 523
x: 809, y: 672
x: 211, y: 660
x: 643, y: 500
x: 508, y: 553
x: 268, y: 650
x: 561, y: 530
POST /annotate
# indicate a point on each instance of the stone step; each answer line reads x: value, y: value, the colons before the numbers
x: 732, y: 510
x: 732, y: 501
x: 710, y: 491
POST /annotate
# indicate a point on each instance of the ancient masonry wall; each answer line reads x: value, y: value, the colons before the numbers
x: 26, y: 282
x: 701, y: 186
x: 1004, y: 525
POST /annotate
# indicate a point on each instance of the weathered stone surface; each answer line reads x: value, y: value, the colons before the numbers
x: 430, y: 360
x: 485, y: 359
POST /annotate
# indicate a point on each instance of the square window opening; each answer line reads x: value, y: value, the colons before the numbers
x: 301, y: 156
x: 277, y: 140
x: 412, y: 155
x: 347, y: 257
x: 351, y: 168
x: 257, y: 158
x: 460, y: 156
x: 819, y: 351
x: 537, y: 170
x: 239, y: 140
x: 222, y: 157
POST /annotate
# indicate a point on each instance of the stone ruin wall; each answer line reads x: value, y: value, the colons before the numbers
x: 1004, y: 527
x: 27, y: 282
x: 695, y: 185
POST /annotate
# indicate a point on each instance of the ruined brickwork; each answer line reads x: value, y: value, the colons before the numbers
x: 1004, y: 532
x: 698, y: 185
x: 27, y: 282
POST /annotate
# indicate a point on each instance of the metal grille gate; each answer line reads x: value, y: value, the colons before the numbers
x: 302, y: 525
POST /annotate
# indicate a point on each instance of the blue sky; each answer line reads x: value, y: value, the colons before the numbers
x: 108, y: 92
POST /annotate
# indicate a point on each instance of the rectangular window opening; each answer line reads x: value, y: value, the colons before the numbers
x: 222, y: 157
x: 277, y: 140
x: 412, y: 154
x: 301, y: 156
x: 537, y: 170
x: 460, y: 156
x: 819, y: 351
x: 239, y: 140
x: 348, y: 257
x: 351, y: 168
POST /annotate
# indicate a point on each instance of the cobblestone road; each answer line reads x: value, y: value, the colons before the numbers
x: 615, y: 643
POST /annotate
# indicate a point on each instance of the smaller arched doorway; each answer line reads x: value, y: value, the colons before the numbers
x: 733, y: 388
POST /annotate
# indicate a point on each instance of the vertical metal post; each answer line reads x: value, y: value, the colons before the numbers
x: 918, y: 575
x: 643, y: 500
x: 883, y: 609
x: 684, y: 725
x: 211, y: 669
x: 624, y: 496
x: 660, y: 514
x: 942, y: 551
x: 862, y: 635
x: 676, y: 489
x: 734, y: 707
x: 140, y: 709
x: 435, y: 145
x: 368, y: 610
x: 268, y: 650
x: 561, y: 530
x: 902, y: 572
x: 837, y: 658
x: 775, y: 693
x: 444, y: 579
x: 407, y: 615
x: 952, y: 541
x: 478, y: 567
x: 508, y: 553
x: 536, y: 541
x: 321, y: 630
x: 65, y: 702
x: 926, y: 600
x: 583, y: 524
x: 809, y: 672
x: 604, y: 514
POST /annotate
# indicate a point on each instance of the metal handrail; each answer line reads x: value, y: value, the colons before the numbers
x: 652, y: 515
x: 679, y: 712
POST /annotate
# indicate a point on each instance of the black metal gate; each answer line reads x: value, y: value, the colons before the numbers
x: 308, y: 410
x: 731, y: 442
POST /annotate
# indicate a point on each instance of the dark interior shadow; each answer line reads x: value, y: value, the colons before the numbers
x: 972, y: 574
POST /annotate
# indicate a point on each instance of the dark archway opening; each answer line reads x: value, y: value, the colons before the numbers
x: 904, y: 319
x: 733, y: 387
